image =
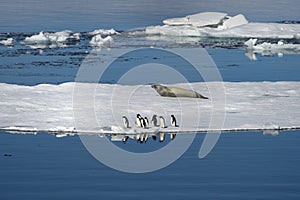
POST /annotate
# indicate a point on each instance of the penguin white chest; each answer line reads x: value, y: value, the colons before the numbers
x: 162, y: 122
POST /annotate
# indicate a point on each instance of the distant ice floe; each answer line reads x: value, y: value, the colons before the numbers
x: 57, y: 39
x: 103, y: 32
x: 197, y: 20
x: 100, y: 37
x: 7, y: 42
x: 216, y: 24
x: 267, y: 49
x: 98, y: 41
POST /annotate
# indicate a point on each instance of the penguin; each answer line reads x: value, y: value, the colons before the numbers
x: 143, y: 123
x: 173, y: 121
x: 138, y: 121
x: 162, y: 122
x: 147, y: 122
x: 154, y: 120
x: 125, y: 122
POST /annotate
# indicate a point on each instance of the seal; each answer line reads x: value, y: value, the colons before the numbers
x: 166, y: 91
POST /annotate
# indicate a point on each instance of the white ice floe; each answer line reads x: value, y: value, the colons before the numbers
x: 266, y: 48
x: 249, y: 106
x: 235, y: 21
x: 198, y: 20
x: 45, y: 38
x: 103, y: 32
x: 37, y: 39
x: 7, y: 42
x: 98, y: 41
x: 224, y: 26
x: 166, y: 30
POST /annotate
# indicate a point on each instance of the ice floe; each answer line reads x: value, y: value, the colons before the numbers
x: 103, y: 32
x: 266, y: 106
x: 7, y: 42
x: 98, y: 41
x: 223, y: 26
x: 237, y: 20
x: 267, y: 48
x: 44, y: 39
x: 197, y: 20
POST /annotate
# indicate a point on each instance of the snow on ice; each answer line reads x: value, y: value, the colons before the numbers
x: 248, y: 106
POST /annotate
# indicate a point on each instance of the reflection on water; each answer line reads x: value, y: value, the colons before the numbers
x: 242, y: 165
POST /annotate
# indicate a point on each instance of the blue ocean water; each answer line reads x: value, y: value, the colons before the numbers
x: 243, y: 165
x: 85, y: 15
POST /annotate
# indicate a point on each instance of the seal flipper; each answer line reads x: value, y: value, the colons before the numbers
x: 200, y: 96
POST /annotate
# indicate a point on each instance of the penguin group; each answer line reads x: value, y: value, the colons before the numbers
x: 156, y: 121
x: 143, y: 122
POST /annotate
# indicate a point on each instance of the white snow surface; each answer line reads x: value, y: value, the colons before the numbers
x: 249, y: 106
x: 219, y: 25
x: 197, y: 20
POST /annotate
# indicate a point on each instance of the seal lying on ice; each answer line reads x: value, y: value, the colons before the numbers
x: 166, y: 91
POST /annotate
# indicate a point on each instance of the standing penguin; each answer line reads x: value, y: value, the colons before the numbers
x: 162, y: 122
x: 154, y: 120
x: 143, y: 123
x: 125, y: 122
x: 147, y: 122
x: 138, y: 121
x: 173, y: 121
